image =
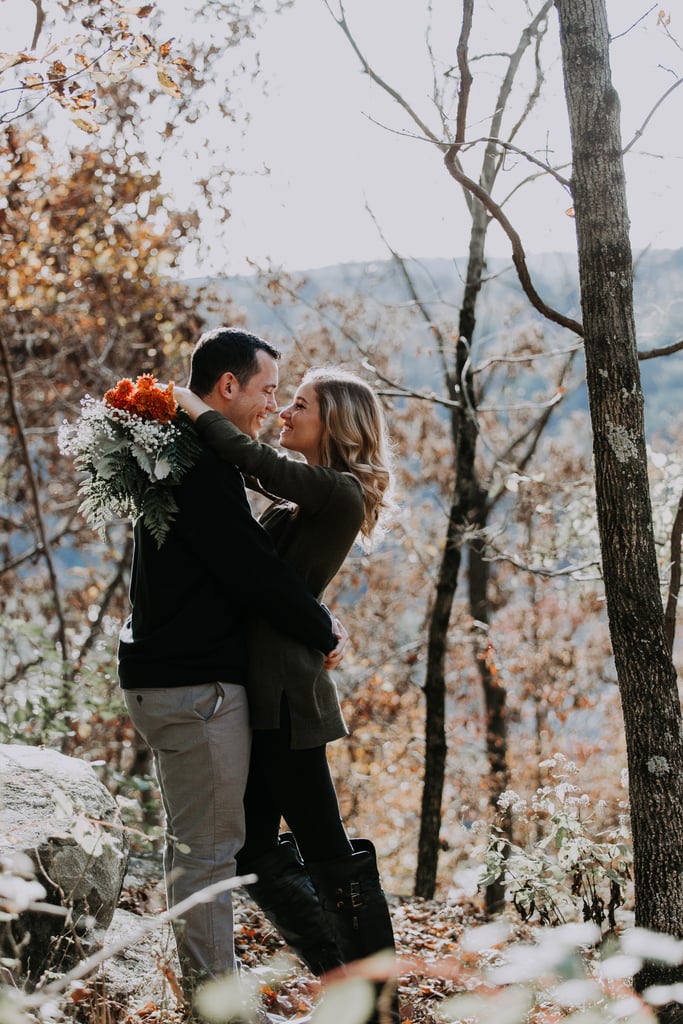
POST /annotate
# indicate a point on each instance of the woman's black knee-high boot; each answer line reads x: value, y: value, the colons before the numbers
x: 286, y: 895
x: 354, y: 902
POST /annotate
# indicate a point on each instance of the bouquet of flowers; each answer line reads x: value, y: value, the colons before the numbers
x: 134, y: 445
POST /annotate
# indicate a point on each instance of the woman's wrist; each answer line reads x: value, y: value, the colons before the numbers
x: 192, y: 404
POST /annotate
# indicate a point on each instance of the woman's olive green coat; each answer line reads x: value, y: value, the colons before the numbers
x: 313, y: 529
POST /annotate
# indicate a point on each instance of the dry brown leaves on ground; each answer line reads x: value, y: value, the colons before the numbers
x: 139, y: 986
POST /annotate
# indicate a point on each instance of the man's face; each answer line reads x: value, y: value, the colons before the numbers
x: 252, y: 401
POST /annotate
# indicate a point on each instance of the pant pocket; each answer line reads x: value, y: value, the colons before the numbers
x: 207, y: 701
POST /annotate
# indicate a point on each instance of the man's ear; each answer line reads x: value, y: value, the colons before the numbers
x: 227, y: 385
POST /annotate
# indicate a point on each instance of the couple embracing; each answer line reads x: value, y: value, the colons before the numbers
x: 224, y: 659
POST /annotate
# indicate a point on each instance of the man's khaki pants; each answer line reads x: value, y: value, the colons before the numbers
x: 200, y: 739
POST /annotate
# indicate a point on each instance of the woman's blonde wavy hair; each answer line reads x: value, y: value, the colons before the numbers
x: 355, y: 439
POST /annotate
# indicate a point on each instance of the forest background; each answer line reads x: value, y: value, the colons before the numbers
x: 98, y: 253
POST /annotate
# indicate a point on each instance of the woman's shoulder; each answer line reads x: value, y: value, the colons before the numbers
x: 346, y: 498
x: 343, y: 486
x: 351, y: 485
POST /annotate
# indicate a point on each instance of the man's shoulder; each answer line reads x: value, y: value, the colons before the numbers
x: 208, y: 492
x: 208, y: 466
x: 209, y: 478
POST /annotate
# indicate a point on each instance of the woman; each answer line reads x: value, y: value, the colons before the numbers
x: 320, y: 889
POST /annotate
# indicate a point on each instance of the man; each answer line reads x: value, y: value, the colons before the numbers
x: 182, y: 652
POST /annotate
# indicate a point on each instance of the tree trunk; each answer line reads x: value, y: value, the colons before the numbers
x: 646, y: 675
x: 495, y: 696
x: 435, y: 711
x: 474, y: 500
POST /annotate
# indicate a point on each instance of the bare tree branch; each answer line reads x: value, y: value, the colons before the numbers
x: 400, y: 390
x: 540, y: 78
x: 548, y: 403
x: 378, y: 80
x: 667, y: 350
x: 40, y: 21
x: 45, y: 549
x: 465, y: 84
x: 36, y: 550
x: 640, y: 131
x: 107, y: 597
x: 510, y: 147
x: 434, y: 328
x: 47, y: 88
x: 491, y: 166
x: 527, y: 358
x: 534, y: 432
x: 539, y: 570
x: 464, y: 70
x: 518, y: 253
x: 636, y: 22
x: 87, y: 966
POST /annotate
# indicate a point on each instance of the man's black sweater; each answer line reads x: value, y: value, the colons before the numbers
x: 191, y: 598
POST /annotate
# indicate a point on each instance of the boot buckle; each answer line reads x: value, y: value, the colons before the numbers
x: 356, y: 895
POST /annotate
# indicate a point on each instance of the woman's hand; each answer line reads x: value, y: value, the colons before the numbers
x: 336, y: 655
x: 191, y: 403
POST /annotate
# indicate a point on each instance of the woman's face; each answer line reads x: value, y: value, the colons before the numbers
x: 302, y: 426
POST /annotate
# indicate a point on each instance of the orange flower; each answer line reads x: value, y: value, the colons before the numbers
x: 151, y: 402
x: 146, y: 382
x: 119, y: 396
x: 144, y: 399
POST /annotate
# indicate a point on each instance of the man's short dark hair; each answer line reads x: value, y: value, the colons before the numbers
x: 223, y: 350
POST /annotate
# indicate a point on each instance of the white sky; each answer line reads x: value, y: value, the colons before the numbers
x: 316, y: 131
x: 328, y: 157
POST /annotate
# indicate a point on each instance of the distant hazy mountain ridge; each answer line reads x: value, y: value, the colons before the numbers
x: 502, y: 305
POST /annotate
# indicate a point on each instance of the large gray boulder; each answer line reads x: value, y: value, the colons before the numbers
x: 60, y: 823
